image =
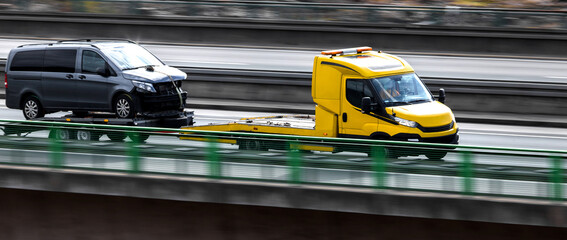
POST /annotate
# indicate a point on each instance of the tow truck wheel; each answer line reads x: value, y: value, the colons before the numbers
x: 388, y: 153
x: 436, y: 155
x: 62, y: 134
x: 32, y: 108
x: 116, y: 136
x: 250, y: 145
x: 139, y: 137
x: 87, y: 135
x: 124, y: 106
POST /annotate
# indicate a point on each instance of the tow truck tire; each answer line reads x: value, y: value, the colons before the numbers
x: 32, y: 108
x: 436, y: 155
x: 141, y: 137
x: 87, y: 135
x: 251, y: 145
x: 116, y: 136
x: 124, y: 106
x: 388, y: 153
x: 62, y: 134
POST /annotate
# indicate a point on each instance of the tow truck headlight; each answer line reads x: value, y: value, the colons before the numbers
x: 144, y: 86
x: 405, y: 122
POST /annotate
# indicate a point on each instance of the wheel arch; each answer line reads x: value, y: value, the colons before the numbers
x: 380, y: 136
x: 27, y: 94
x: 116, y: 95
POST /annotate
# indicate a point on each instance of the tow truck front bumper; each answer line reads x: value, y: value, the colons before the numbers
x: 449, y: 139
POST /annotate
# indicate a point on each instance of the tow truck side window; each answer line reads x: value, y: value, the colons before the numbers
x: 356, y: 89
x: 91, y: 61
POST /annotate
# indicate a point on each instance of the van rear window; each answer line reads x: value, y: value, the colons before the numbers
x: 28, y: 61
x: 60, y: 60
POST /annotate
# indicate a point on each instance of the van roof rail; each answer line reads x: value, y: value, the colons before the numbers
x: 97, y: 40
x: 89, y: 41
x: 31, y: 44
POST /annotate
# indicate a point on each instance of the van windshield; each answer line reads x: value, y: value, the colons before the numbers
x: 401, y: 90
x: 130, y: 56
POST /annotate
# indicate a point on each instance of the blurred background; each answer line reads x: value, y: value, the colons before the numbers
x: 502, y: 64
x: 543, y: 14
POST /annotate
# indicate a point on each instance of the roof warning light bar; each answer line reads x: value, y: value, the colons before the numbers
x: 346, y: 51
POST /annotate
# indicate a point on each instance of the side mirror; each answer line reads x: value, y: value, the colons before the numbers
x: 366, y: 105
x: 441, y: 97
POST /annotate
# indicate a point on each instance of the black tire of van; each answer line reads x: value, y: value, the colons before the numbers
x: 32, y: 108
x: 124, y: 106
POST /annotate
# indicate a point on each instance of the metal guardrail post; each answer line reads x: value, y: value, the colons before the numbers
x: 467, y: 173
x: 379, y: 166
x: 557, y: 178
x: 294, y: 162
x: 134, y: 152
x: 56, y: 151
x: 215, y: 170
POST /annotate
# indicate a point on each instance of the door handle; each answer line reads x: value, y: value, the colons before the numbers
x: 82, y: 77
x: 69, y: 76
x: 345, y: 117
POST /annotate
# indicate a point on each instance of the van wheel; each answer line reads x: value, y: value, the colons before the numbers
x: 32, y: 108
x: 124, y: 106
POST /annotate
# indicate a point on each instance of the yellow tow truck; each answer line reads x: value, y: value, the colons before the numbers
x: 362, y: 93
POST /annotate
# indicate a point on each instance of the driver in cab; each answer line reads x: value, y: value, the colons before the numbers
x: 389, y: 89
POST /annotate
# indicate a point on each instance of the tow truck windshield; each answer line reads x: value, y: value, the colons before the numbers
x: 130, y: 56
x: 402, y: 89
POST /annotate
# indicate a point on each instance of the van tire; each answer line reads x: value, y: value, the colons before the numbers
x: 124, y: 106
x: 32, y: 108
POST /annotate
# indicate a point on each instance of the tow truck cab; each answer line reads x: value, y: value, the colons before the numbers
x: 362, y: 93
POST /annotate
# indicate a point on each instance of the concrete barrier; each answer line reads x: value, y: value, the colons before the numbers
x: 258, y: 32
x: 302, y: 197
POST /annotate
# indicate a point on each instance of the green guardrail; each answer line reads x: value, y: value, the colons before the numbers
x: 467, y: 170
x: 328, y: 12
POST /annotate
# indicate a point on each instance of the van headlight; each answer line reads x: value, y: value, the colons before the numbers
x: 144, y: 86
x: 405, y: 122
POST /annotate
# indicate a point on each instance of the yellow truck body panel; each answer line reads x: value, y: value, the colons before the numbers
x: 346, y: 81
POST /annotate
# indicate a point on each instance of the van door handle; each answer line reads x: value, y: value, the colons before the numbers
x: 345, y: 117
x: 82, y: 77
x: 69, y: 76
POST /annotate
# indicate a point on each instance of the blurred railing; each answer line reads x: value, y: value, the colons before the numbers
x: 468, y: 170
x: 327, y: 12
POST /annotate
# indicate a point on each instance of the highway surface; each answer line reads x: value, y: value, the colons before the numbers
x: 432, y: 66
x: 427, y: 65
x: 168, y: 154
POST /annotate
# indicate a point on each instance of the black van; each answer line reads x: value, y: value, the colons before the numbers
x: 92, y: 75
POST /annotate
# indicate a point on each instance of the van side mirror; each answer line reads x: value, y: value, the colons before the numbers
x: 366, y: 105
x: 441, y: 97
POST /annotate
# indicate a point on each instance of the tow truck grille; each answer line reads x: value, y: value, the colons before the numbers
x: 436, y: 129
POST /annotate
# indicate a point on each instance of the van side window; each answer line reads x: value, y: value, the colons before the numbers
x: 28, y: 61
x: 356, y: 89
x: 60, y: 60
x: 91, y: 62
